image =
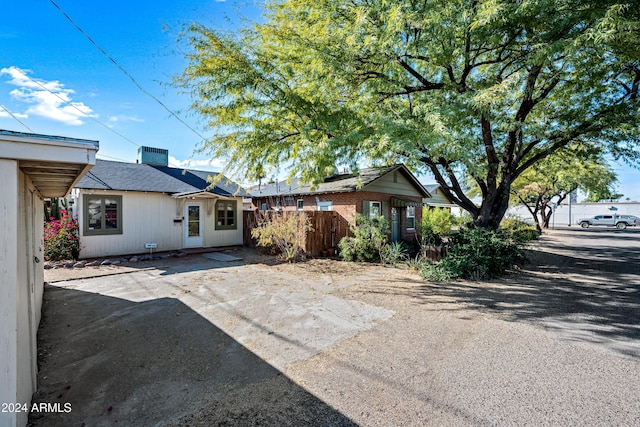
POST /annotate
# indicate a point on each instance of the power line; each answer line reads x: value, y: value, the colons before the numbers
x: 69, y: 103
x: 110, y: 157
x: 16, y: 119
x: 135, y: 82
x: 79, y: 110
x: 82, y: 112
x: 72, y: 105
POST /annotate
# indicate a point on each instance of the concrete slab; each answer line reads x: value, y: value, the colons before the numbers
x: 219, y: 256
x: 153, y: 346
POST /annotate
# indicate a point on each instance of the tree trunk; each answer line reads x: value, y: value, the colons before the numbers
x: 493, y: 207
x: 546, y: 217
x: 534, y: 215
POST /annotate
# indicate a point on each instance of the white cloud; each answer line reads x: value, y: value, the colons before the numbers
x: 211, y: 165
x: 48, y: 99
x: 4, y: 112
x: 119, y: 119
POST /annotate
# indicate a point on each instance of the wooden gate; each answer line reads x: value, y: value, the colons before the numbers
x: 328, y: 228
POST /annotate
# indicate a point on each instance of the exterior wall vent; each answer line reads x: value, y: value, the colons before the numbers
x: 153, y: 156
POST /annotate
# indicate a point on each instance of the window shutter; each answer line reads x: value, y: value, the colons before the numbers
x: 384, y: 206
x: 365, y: 208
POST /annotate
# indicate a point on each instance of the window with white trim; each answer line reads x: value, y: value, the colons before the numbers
x: 300, y: 204
x: 324, y: 206
x: 411, y: 217
x: 375, y: 209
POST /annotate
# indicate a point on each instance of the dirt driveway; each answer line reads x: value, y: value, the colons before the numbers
x: 200, y: 342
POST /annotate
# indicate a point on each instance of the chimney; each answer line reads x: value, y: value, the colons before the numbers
x: 153, y: 156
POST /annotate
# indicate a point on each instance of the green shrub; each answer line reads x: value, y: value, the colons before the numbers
x: 439, y: 220
x: 394, y: 253
x: 369, y: 236
x: 436, y: 224
x: 281, y: 233
x: 412, y: 247
x: 476, y: 254
x: 61, y: 238
x: 518, y: 230
x: 418, y: 263
x: 464, y: 220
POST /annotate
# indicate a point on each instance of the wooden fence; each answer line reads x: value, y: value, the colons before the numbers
x: 328, y: 228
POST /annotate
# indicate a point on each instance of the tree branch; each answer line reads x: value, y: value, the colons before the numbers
x: 457, y: 195
x: 426, y: 83
x: 492, y: 157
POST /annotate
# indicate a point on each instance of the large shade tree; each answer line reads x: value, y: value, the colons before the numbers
x: 460, y: 88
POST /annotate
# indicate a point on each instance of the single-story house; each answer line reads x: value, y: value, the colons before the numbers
x: 392, y: 191
x: 32, y: 167
x: 440, y: 200
x: 133, y: 208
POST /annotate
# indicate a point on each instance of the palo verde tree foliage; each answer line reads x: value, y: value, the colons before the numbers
x: 480, y: 88
x: 554, y: 178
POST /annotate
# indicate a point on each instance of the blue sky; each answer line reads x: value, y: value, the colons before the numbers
x: 54, y: 81
x: 52, y: 78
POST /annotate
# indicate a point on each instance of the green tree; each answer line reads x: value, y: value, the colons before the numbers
x: 605, y: 194
x: 479, y: 88
x: 552, y: 179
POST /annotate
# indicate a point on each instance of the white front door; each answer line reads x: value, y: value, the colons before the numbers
x: 193, y: 225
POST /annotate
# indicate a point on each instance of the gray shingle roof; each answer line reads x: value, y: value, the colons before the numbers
x: 109, y: 175
x: 431, y: 187
x: 341, y: 183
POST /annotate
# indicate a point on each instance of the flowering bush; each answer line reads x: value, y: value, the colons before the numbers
x: 61, y: 239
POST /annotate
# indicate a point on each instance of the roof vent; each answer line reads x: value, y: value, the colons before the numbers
x: 153, y: 156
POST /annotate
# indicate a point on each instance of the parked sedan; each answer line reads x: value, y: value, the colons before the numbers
x: 619, y: 221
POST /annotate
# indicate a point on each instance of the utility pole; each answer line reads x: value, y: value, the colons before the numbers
x: 570, y: 197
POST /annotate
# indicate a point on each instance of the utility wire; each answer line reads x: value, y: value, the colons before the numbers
x: 135, y: 82
x: 100, y: 155
x: 74, y: 107
x: 16, y: 119
x: 71, y: 104
x: 82, y: 112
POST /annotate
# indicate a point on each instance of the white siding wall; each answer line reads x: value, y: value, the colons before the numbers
x: 21, y: 288
x: 146, y: 218
x: 437, y: 197
x: 8, y: 287
x: 213, y: 237
x: 149, y: 218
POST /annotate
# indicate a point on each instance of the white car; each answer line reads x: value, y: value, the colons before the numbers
x: 619, y: 221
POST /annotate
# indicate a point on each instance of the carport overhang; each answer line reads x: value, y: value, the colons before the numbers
x: 54, y: 164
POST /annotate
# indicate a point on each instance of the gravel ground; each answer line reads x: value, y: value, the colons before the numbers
x: 197, y: 343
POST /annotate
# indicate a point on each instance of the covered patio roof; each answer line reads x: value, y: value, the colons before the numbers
x: 200, y: 194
